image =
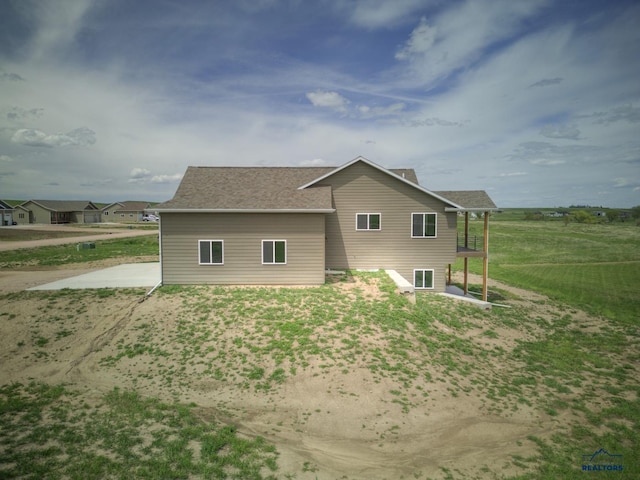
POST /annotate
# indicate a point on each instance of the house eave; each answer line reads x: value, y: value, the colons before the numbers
x: 241, y: 210
x: 471, y: 209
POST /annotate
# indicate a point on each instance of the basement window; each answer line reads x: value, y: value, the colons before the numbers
x: 211, y: 252
x: 423, y: 279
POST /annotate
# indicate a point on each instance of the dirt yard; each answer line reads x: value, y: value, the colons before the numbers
x: 326, y: 422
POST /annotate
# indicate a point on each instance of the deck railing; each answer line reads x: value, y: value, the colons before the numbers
x: 474, y: 242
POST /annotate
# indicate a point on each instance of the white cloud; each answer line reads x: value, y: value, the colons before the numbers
x: 138, y: 173
x: 382, y: 13
x: 373, y: 112
x: 36, y: 138
x: 332, y: 100
x: 422, y: 39
x: 458, y: 36
x: 175, y: 178
x: 513, y: 174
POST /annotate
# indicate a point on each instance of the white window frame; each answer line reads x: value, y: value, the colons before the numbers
x: 210, y: 242
x: 273, y: 252
x: 423, y: 270
x: 369, y: 229
x: 424, y: 215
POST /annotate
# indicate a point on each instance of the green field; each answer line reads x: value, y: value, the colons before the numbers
x: 594, y: 267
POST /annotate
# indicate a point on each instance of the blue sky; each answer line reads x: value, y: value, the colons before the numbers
x: 537, y: 102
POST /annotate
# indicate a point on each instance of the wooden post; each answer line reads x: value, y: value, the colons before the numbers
x: 466, y: 259
x: 485, y: 258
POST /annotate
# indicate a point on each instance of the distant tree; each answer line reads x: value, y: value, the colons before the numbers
x: 613, y: 215
x: 582, y: 216
x: 635, y: 213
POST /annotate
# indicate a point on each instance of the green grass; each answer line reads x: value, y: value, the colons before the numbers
x: 125, y: 436
x: 63, y: 254
x: 593, y: 267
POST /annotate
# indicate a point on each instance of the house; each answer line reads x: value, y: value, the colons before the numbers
x: 7, y: 212
x: 124, y: 212
x: 61, y: 211
x: 288, y: 225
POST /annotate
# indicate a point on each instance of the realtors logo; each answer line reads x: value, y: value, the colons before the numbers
x: 602, y: 461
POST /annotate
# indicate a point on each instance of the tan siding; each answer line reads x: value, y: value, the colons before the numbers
x: 242, y: 235
x: 361, y: 188
x: 38, y: 214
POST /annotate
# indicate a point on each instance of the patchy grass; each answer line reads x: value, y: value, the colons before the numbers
x: 63, y: 254
x: 51, y: 432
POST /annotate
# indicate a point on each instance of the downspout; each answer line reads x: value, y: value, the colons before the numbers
x: 159, y: 256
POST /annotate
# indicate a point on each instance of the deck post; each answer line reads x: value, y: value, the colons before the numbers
x: 485, y: 257
x: 466, y: 260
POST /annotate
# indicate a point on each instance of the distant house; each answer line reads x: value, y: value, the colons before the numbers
x: 288, y: 225
x: 61, y: 211
x: 124, y: 212
x: 599, y: 213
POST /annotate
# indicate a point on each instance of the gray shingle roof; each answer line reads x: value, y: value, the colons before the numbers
x: 134, y: 206
x: 469, y: 199
x: 65, y: 205
x: 257, y: 188
x: 249, y: 188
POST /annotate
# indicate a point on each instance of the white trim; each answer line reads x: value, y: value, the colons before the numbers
x: 286, y: 253
x: 383, y: 170
x: 368, y: 222
x: 433, y: 278
x: 244, y: 210
x: 210, y: 241
x: 423, y: 218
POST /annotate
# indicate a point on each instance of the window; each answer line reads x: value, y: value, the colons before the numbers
x: 105, y: 212
x: 368, y: 221
x: 21, y: 215
x: 274, y: 252
x: 423, y: 279
x: 423, y: 225
x: 211, y: 252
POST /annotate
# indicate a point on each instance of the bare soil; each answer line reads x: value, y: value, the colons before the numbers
x: 319, y: 433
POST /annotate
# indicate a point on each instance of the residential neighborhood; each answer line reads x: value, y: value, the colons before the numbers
x: 56, y: 212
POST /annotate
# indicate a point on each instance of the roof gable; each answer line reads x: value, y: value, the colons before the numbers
x: 401, y: 175
x: 129, y: 205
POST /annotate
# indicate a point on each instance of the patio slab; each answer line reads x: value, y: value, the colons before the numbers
x: 128, y: 275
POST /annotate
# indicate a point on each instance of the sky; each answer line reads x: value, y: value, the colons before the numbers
x: 535, y: 101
